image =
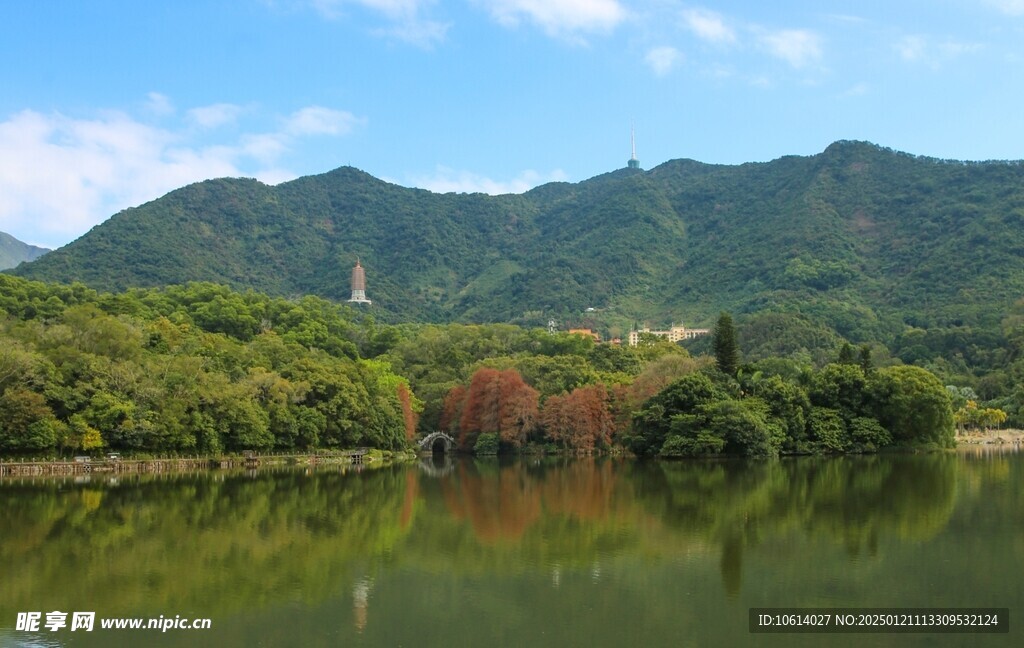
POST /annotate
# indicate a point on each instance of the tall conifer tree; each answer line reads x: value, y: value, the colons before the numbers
x: 727, y: 354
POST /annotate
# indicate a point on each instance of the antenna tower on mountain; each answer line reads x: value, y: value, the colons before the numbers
x: 633, y: 162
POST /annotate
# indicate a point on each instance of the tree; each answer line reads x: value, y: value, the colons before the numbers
x: 660, y: 373
x: 409, y: 415
x: 81, y: 435
x: 746, y: 425
x: 580, y: 420
x: 657, y: 418
x: 727, y: 354
x: 846, y: 354
x: 789, y: 405
x: 498, y: 401
x: 827, y: 430
x: 865, y: 359
x: 840, y: 387
x: 451, y: 410
x: 912, y: 404
x: 26, y: 422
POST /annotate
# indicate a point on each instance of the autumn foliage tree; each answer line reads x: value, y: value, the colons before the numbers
x: 496, y: 401
x: 451, y: 409
x: 579, y: 420
x: 409, y: 415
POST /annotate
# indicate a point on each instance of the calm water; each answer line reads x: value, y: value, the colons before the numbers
x: 539, y: 553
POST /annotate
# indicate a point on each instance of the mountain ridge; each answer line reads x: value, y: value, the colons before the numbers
x: 860, y: 238
x: 13, y: 251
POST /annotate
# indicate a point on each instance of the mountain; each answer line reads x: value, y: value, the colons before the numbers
x: 13, y: 251
x: 859, y: 241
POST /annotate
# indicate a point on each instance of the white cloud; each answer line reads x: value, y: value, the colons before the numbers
x: 317, y: 120
x: 264, y: 147
x: 912, y: 48
x: 158, y: 104
x: 954, y: 49
x: 393, y: 9
x: 847, y: 18
x: 798, y: 47
x: 920, y: 49
x: 561, y: 18
x: 1010, y: 7
x: 446, y: 180
x: 663, y: 59
x: 61, y: 175
x: 857, y: 90
x: 709, y: 26
x: 422, y: 33
x: 407, y: 18
x: 215, y: 115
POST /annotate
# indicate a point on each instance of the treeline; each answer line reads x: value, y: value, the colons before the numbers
x: 201, y: 368
x: 571, y: 394
x: 765, y: 410
x: 189, y: 369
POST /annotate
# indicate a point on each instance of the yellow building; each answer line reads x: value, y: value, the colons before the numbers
x: 674, y: 334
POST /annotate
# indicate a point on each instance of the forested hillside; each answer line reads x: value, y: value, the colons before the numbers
x: 13, y: 251
x: 194, y: 369
x: 203, y: 369
x: 858, y: 242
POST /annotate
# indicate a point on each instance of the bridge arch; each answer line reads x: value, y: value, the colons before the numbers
x: 438, y: 440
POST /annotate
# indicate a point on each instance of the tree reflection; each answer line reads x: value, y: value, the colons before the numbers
x: 215, y: 543
x: 500, y: 502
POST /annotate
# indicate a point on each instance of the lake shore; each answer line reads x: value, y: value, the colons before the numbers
x: 990, y: 437
x: 88, y: 465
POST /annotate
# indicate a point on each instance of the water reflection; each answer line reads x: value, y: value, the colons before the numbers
x: 437, y: 465
x: 472, y: 533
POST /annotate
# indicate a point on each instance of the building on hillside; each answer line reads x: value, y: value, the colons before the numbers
x: 673, y: 334
x: 585, y: 332
x: 359, y: 285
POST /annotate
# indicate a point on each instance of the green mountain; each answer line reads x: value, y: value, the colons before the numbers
x: 859, y: 241
x: 13, y: 251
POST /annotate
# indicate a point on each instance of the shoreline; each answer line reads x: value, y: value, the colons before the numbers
x: 974, y: 438
x: 59, y: 467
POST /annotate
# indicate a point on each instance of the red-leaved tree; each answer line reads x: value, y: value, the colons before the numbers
x: 579, y: 420
x: 409, y: 416
x: 497, y: 401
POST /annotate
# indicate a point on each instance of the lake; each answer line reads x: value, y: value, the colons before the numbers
x: 534, y: 552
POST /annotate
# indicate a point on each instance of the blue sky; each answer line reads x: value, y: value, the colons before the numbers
x: 107, y: 104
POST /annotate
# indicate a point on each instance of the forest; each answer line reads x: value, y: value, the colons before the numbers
x: 917, y: 257
x: 204, y: 369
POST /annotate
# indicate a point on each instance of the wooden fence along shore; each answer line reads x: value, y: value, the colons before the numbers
x: 88, y: 465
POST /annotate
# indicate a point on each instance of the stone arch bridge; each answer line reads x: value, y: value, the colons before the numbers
x: 438, y: 442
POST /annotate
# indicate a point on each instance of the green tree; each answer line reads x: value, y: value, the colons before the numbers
x: 26, y: 422
x: 657, y: 418
x: 827, y: 430
x: 790, y: 406
x: 840, y: 387
x: 746, y: 425
x: 727, y: 354
x: 913, y: 405
x: 864, y: 358
x: 846, y: 354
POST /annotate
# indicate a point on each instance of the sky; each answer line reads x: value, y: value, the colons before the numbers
x: 109, y: 104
